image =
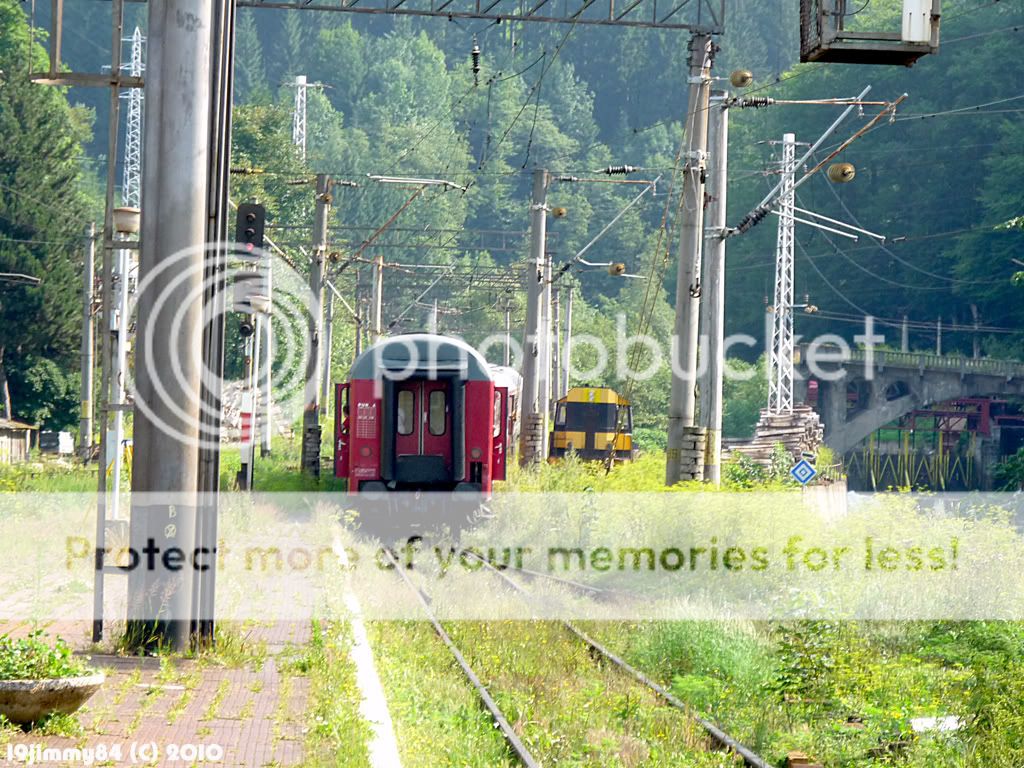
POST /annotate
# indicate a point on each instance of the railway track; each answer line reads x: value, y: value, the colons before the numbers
x: 516, y: 745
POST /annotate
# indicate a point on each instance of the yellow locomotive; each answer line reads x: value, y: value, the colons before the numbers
x: 595, y: 422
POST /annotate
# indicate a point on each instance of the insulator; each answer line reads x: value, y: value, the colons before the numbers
x: 756, y: 102
x: 741, y: 78
x: 753, y: 218
x: 841, y: 173
x: 476, y: 62
x: 620, y: 170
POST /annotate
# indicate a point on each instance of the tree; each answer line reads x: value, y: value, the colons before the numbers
x: 44, y: 207
x: 250, y: 73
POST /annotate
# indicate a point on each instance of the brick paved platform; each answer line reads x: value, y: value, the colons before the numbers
x: 254, y: 709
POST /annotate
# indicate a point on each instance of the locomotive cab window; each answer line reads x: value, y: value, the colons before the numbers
x: 406, y: 408
x: 560, y: 415
x: 497, y: 414
x: 437, y: 415
x: 626, y: 417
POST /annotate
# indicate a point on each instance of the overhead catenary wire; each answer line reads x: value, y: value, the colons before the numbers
x: 904, y: 262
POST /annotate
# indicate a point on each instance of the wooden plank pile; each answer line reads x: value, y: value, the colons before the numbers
x: 798, y: 432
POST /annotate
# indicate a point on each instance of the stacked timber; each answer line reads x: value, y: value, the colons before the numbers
x: 798, y: 432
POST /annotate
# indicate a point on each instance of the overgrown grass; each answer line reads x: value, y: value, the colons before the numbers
x: 845, y: 692
x: 568, y: 709
x: 438, y: 719
x: 278, y: 472
x: 644, y: 474
x: 48, y: 476
x: 337, y: 735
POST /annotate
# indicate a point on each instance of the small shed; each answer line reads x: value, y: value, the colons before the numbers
x: 15, y: 441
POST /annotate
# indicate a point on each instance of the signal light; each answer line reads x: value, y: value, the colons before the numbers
x: 559, y: 212
x: 249, y: 226
x: 617, y: 269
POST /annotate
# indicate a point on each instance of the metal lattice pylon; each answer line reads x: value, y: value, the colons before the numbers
x: 780, y: 353
x: 299, y: 115
x: 131, y: 182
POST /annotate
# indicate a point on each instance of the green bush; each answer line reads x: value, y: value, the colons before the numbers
x: 33, y: 658
x: 650, y: 438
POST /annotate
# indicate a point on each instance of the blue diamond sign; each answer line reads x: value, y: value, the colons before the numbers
x: 803, y: 472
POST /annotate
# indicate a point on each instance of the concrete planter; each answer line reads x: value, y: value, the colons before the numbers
x: 26, y: 701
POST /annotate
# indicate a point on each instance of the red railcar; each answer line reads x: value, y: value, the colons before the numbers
x: 421, y: 413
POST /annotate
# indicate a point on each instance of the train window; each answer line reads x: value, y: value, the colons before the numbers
x: 438, y: 412
x: 626, y: 418
x: 560, y: 415
x: 497, y: 414
x: 406, y: 405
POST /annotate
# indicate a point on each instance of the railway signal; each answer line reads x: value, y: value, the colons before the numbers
x: 249, y: 226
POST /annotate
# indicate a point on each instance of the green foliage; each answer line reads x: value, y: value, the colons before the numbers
x: 650, y: 438
x: 35, y: 658
x: 742, y: 472
x: 781, y: 463
x: 807, y: 660
x: 1009, y: 474
x: 744, y: 393
x: 48, y: 395
x: 45, y: 203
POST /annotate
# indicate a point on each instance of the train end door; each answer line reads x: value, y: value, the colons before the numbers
x: 423, y: 447
x: 341, y: 430
x: 499, y: 448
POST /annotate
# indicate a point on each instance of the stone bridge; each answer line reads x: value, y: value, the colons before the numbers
x: 855, y: 398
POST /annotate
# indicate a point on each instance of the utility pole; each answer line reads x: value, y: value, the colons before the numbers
x: 377, y: 308
x: 686, y: 331
x: 266, y: 368
x: 175, y: 184
x: 713, y: 304
x: 311, y: 408
x: 214, y: 309
x: 360, y: 318
x: 126, y: 222
x: 904, y: 336
x: 88, y: 344
x: 567, y: 349
x: 975, y: 339
x: 508, y: 335
x: 325, y: 392
x: 532, y: 437
x: 556, y: 344
x: 780, y: 353
x: 938, y: 336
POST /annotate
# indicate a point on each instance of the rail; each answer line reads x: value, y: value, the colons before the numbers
x: 750, y: 758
